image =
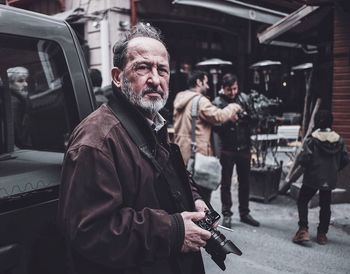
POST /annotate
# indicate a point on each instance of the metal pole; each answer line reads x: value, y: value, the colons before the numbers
x: 215, y: 82
x: 308, y: 76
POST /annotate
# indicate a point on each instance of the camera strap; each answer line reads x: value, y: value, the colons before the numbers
x: 167, y: 170
x: 194, y: 115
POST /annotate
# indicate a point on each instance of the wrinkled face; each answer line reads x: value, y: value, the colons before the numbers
x: 231, y: 91
x: 145, y: 78
x: 203, y: 85
x: 20, y: 85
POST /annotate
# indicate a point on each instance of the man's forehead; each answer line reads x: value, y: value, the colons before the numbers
x: 19, y: 76
x: 139, y: 41
x: 141, y: 45
x: 235, y: 84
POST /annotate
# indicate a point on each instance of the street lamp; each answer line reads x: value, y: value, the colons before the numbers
x: 264, y: 66
x: 214, y: 66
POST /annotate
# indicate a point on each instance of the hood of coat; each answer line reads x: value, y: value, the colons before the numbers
x: 327, y: 141
x: 182, y: 99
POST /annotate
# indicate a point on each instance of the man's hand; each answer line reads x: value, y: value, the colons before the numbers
x: 201, y: 206
x: 236, y: 109
x: 195, y: 237
x: 234, y: 118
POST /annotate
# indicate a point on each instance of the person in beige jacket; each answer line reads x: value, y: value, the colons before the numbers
x: 208, y: 116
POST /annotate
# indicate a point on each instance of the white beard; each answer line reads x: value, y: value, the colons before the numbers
x: 151, y: 106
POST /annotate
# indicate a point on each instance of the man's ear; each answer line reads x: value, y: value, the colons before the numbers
x: 116, y: 76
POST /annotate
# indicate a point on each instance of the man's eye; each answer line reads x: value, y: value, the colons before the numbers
x: 143, y: 68
x: 163, y: 71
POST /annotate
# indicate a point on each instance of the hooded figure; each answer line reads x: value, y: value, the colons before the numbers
x: 323, y: 155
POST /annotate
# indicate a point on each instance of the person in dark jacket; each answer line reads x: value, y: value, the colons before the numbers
x: 323, y: 155
x: 18, y: 84
x: 235, y: 149
x: 96, y: 80
x: 125, y: 209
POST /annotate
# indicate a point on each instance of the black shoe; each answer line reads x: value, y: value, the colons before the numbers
x: 226, y: 222
x: 249, y: 220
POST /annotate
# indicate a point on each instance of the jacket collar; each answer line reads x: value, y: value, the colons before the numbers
x: 135, y: 116
x: 326, y: 135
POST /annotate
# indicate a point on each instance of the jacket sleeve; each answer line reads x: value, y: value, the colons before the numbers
x: 217, y: 128
x: 305, y: 154
x: 212, y: 114
x: 95, y: 220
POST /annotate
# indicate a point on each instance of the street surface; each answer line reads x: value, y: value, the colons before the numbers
x: 268, y: 249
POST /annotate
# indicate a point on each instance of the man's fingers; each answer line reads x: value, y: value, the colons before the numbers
x: 205, y: 234
x: 200, y: 243
x: 196, y: 216
x: 201, y: 205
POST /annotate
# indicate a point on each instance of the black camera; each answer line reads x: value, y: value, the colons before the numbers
x: 243, y: 115
x: 217, y: 246
x: 256, y: 104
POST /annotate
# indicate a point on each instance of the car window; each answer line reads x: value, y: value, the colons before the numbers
x: 37, y: 113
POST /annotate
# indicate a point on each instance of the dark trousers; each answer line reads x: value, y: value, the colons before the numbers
x: 242, y: 160
x: 305, y: 195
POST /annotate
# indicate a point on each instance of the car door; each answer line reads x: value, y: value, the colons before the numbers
x: 35, y: 124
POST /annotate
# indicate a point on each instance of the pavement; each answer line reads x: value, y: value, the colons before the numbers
x: 269, y: 249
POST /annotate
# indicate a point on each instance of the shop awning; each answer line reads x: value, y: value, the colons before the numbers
x: 302, y: 27
x: 238, y: 9
x: 285, y: 24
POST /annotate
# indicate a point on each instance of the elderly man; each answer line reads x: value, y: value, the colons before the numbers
x: 18, y: 80
x: 18, y: 84
x: 124, y: 207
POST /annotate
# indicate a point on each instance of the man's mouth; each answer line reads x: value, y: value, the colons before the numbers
x: 153, y: 93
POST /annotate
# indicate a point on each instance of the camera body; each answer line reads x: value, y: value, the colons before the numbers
x: 217, y: 246
x: 207, y: 223
x: 243, y: 115
x: 256, y: 104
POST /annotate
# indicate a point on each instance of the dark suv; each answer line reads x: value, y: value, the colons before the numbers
x: 58, y: 95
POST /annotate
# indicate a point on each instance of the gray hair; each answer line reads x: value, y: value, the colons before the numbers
x: 16, y: 72
x: 139, y: 30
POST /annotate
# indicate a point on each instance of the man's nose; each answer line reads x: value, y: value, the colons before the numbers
x: 154, y: 77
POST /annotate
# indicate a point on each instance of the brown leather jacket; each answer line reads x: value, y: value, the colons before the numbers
x: 115, y: 209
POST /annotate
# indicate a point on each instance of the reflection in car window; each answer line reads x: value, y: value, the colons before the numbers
x: 36, y: 116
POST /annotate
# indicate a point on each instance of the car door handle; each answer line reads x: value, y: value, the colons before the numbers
x: 10, y: 256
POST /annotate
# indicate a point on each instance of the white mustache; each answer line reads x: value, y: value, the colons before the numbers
x: 152, y: 91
